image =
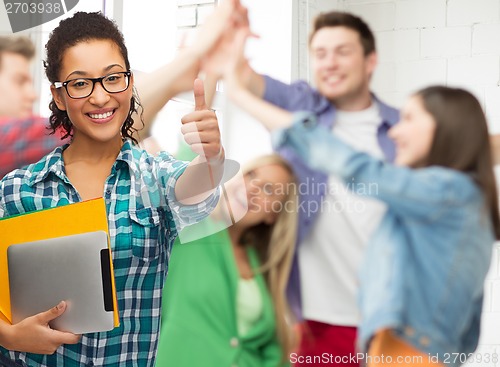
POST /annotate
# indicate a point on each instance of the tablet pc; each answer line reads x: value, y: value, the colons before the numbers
x: 73, y: 268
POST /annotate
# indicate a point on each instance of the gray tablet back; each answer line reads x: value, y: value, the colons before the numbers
x: 75, y: 269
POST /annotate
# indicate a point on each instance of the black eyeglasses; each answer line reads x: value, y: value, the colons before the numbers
x: 83, y: 87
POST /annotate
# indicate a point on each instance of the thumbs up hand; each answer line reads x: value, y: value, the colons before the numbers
x: 201, y: 128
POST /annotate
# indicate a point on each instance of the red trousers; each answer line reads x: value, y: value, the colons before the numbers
x: 325, y: 345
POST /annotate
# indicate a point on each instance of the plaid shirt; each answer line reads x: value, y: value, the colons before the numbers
x: 143, y: 219
x: 24, y: 141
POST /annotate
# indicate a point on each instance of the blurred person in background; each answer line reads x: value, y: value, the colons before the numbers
x: 225, y: 294
x: 24, y: 137
x: 422, y: 278
x: 332, y: 236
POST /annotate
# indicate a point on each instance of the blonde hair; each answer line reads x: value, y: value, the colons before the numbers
x: 275, y: 245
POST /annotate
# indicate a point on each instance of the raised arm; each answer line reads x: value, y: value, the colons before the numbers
x: 220, y: 58
x: 270, y: 116
x: 157, y: 88
x: 421, y: 193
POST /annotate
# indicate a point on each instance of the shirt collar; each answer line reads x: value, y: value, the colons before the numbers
x: 54, y: 163
x: 125, y: 157
x: 389, y: 115
x: 51, y: 163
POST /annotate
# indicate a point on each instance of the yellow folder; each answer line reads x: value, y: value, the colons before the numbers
x: 85, y: 216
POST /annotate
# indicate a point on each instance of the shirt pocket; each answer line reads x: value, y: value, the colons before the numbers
x: 147, y: 236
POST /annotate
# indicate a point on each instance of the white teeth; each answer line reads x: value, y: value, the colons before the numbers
x: 333, y: 79
x: 100, y: 115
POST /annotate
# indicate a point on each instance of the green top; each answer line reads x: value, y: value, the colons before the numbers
x: 199, y: 322
x: 249, y: 305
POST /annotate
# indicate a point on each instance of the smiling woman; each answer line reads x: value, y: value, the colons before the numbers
x: 93, y: 102
x: 225, y: 295
x: 85, y: 101
x: 104, y: 107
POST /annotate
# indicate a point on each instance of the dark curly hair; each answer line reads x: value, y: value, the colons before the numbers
x: 84, y: 27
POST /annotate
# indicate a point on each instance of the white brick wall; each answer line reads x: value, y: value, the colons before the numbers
x: 452, y: 42
x: 486, y: 39
x: 203, y: 12
x: 380, y: 16
x: 385, y: 77
x: 483, y: 70
x: 414, y: 75
x: 495, y: 296
x: 416, y: 14
x: 186, y: 16
x: 492, y: 98
x: 398, y: 46
x: 194, y: 2
x: 467, y: 12
x: 192, y: 13
x: 442, y: 41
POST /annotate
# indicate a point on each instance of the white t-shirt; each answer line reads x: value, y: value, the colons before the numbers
x: 331, y: 254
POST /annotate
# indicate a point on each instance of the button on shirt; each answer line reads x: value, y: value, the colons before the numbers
x: 143, y: 219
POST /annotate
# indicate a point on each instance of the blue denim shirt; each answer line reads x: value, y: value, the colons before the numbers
x: 425, y: 265
x: 300, y: 96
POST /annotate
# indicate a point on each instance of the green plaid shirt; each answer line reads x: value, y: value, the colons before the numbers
x: 143, y: 219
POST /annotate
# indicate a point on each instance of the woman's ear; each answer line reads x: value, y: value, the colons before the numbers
x: 56, y: 95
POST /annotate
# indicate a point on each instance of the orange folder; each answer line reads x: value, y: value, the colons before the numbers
x: 85, y: 216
